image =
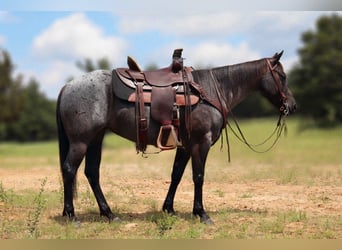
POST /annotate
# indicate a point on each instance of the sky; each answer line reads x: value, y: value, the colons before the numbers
x: 46, y: 42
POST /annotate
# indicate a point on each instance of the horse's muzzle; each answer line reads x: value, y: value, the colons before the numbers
x: 287, y: 108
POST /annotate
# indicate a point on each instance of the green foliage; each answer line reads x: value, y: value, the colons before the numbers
x: 34, y: 218
x: 88, y: 65
x: 26, y: 114
x: 10, y: 90
x: 3, y: 193
x: 36, y: 121
x: 165, y: 222
x: 317, y: 80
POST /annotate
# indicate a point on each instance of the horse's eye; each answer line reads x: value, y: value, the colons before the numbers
x: 282, y: 76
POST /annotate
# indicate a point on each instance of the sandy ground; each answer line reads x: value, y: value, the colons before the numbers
x: 265, y: 195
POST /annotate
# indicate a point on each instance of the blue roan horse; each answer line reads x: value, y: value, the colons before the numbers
x: 87, y: 107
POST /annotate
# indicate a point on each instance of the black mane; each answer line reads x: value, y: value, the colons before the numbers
x: 232, y: 78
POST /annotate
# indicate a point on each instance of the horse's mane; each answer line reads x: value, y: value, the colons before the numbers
x: 230, y: 76
x: 238, y: 74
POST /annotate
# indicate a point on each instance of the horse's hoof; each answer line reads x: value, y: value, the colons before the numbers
x: 73, y: 220
x: 207, y: 221
x: 111, y: 217
x: 171, y: 213
x: 115, y: 219
x: 76, y: 223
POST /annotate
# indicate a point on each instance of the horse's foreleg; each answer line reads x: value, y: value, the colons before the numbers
x: 69, y: 169
x: 199, y: 153
x: 92, y: 168
x: 181, y: 159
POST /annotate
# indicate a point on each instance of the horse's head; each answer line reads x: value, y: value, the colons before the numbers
x: 275, y: 88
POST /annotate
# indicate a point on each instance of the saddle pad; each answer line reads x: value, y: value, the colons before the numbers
x: 124, y: 92
x: 121, y: 89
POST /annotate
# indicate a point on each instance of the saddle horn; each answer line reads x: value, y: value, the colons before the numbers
x: 177, y: 60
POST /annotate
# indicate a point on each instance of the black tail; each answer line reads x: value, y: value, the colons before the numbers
x: 63, y: 141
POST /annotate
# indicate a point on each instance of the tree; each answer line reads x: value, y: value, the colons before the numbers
x: 88, y: 65
x: 11, y: 91
x: 317, y: 80
x: 25, y: 113
x: 36, y: 120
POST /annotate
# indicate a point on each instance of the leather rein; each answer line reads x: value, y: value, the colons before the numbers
x: 281, y: 124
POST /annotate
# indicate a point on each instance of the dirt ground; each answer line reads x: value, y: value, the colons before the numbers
x: 265, y: 195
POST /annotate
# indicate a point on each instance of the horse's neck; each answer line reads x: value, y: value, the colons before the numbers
x: 240, y: 80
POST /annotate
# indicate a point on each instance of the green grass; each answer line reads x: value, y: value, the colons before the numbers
x: 308, y: 147
x: 33, y: 149
x: 311, y: 158
x: 298, y: 157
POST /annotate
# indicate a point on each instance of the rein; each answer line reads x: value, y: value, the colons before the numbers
x: 280, y: 127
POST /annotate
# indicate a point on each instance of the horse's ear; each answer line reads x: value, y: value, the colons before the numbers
x: 277, y: 56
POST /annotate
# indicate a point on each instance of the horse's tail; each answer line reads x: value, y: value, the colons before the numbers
x: 63, y: 141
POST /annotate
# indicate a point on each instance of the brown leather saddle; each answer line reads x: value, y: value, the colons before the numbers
x: 165, y: 90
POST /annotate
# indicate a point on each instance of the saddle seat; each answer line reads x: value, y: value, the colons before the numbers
x: 164, y: 89
x: 163, y: 77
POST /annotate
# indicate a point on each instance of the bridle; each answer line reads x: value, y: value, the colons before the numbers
x: 281, y: 124
x: 284, y: 109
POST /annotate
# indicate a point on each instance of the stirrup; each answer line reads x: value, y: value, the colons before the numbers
x: 167, y: 138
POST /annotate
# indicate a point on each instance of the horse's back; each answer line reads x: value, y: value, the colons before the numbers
x: 84, y: 102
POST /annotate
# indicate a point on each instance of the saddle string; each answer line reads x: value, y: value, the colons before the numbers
x: 187, y: 102
x: 141, y: 122
x: 225, y: 110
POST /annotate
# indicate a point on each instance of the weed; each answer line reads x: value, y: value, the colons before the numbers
x: 87, y: 198
x: 220, y: 193
x: 324, y: 198
x: 287, y: 176
x: 297, y: 216
x: 245, y: 196
x: 61, y: 190
x: 3, y: 194
x: 193, y: 232
x: 165, y: 222
x: 276, y: 226
x: 34, y: 218
x: 153, y: 204
x: 328, y: 231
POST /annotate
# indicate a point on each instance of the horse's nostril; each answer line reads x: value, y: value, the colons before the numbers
x: 294, y: 107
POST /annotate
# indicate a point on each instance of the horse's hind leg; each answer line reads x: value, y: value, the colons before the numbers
x: 181, y: 159
x: 69, y: 169
x: 92, y: 169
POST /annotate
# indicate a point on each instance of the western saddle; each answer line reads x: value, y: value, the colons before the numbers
x: 165, y: 90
